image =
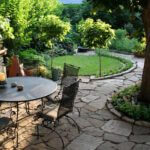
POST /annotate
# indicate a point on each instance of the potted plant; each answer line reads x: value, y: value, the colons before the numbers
x: 56, y: 73
x: 31, y: 60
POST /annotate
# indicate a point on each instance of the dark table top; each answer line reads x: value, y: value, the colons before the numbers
x: 34, y: 88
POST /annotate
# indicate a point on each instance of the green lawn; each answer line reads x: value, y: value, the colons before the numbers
x: 89, y: 64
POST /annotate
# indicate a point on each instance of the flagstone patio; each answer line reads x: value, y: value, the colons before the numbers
x: 101, y: 130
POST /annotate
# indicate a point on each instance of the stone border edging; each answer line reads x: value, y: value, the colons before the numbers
x: 123, y: 117
x: 121, y: 52
x: 118, y: 74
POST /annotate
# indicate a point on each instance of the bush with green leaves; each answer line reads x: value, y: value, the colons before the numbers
x: 139, y: 50
x: 122, y: 42
x: 126, y: 102
x: 30, y: 58
x: 52, y: 29
x: 24, y: 18
x: 95, y: 34
x: 6, y: 31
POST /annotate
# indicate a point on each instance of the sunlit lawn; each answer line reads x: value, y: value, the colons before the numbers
x: 89, y: 64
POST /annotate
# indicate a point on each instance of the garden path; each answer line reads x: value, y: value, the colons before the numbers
x: 101, y: 130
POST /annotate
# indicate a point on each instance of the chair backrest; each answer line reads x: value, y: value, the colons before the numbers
x: 70, y: 74
x: 70, y: 70
x: 68, y: 96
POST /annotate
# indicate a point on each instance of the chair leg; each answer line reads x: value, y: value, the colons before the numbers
x: 57, y: 134
x: 27, y: 106
x: 37, y: 130
x: 78, y: 110
x: 78, y: 127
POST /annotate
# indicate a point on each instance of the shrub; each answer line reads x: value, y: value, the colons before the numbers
x: 126, y: 102
x: 139, y: 50
x: 24, y: 16
x: 43, y: 72
x: 30, y: 57
x: 122, y: 42
x: 6, y: 32
x: 52, y: 29
x: 95, y: 34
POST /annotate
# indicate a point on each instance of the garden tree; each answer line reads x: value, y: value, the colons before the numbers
x: 6, y: 32
x: 144, y: 5
x: 18, y: 12
x: 95, y: 34
x: 24, y: 16
x: 52, y: 30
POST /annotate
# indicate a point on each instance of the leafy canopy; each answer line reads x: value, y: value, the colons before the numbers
x: 24, y: 16
x: 95, y: 34
x: 6, y: 32
x: 51, y: 29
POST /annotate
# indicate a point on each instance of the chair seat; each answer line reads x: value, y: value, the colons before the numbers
x: 52, y: 114
x: 5, y: 122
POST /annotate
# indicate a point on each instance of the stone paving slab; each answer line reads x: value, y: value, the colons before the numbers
x: 118, y: 127
x: 85, y: 142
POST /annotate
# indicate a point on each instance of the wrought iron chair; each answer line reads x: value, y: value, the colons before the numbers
x: 52, y: 116
x: 6, y: 125
x: 70, y: 70
x: 70, y: 75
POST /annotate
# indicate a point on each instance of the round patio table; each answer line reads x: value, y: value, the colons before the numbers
x: 34, y: 88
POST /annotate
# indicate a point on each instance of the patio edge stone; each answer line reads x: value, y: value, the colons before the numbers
x: 118, y: 74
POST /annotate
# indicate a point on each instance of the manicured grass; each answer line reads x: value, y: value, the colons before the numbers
x: 89, y: 64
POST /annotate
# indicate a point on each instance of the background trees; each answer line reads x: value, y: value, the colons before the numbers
x: 6, y: 32
x: 95, y: 34
x: 24, y: 16
x: 144, y: 7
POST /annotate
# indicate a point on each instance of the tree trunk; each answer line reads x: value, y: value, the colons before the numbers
x: 145, y: 86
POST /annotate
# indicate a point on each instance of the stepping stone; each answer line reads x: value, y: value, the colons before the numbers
x: 85, y: 80
x: 85, y: 142
x: 99, y: 104
x: 107, y: 146
x: 118, y: 127
x: 141, y: 147
x: 93, y: 131
x: 125, y: 146
x: 89, y: 98
x: 115, y: 138
x: 140, y: 138
x: 137, y: 130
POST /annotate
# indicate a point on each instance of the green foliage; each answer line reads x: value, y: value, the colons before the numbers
x: 122, y: 42
x: 30, y: 57
x: 43, y: 72
x: 52, y: 29
x: 24, y: 17
x: 6, y: 32
x: 124, y: 101
x: 95, y: 34
x: 72, y: 12
x: 139, y: 50
x: 18, y: 13
x: 124, y: 14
